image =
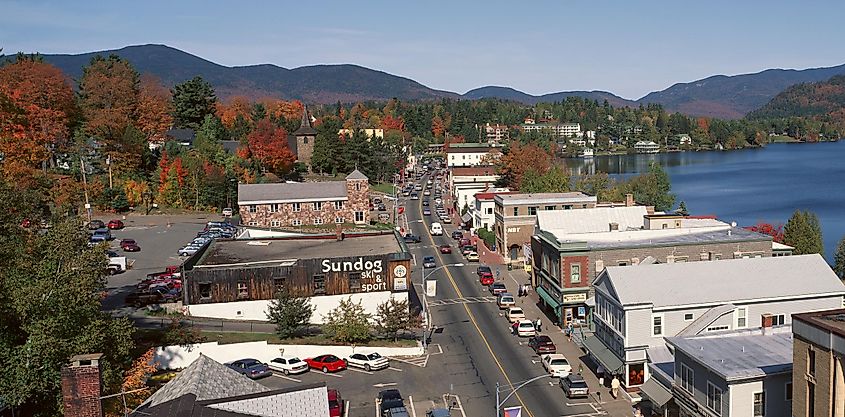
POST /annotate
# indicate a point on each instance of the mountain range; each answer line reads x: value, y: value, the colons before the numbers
x: 823, y: 100
x: 717, y: 96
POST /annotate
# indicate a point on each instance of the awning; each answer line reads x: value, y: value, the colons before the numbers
x: 602, y: 353
x: 466, y: 217
x: 549, y: 300
x: 591, y: 302
x: 655, y: 392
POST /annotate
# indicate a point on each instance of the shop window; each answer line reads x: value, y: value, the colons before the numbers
x: 318, y: 205
x: 319, y: 284
x: 243, y: 290
x: 355, y: 281
x: 296, y: 207
x: 575, y: 273
x: 636, y: 374
x: 205, y: 290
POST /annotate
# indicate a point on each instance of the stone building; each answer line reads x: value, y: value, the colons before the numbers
x: 285, y: 205
x: 305, y: 137
x: 818, y: 372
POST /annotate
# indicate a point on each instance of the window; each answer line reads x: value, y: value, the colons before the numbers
x: 550, y: 207
x: 274, y: 208
x: 574, y: 273
x: 741, y: 317
x: 355, y: 281
x: 319, y: 284
x: 622, y: 263
x: 296, y: 207
x: 532, y: 211
x: 318, y: 221
x: 516, y: 211
x: 205, y: 290
x: 811, y: 362
x: 665, y: 226
x: 357, y: 186
x: 305, y: 140
x: 688, y: 317
x: 318, y: 205
x: 296, y: 222
x: 657, y: 325
x: 717, y: 328
x: 253, y: 208
x: 338, y: 205
x: 687, y: 378
x: 243, y: 290
x: 759, y: 404
x: 279, y: 284
x: 714, y: 398
x: 811, y: 398
x: 359, y: 217
x: 489, y: 210
x: 275, y: 223
x: 788, y: 389
x: 338, y: 220
x: 778, y: 320
x: 567, y: 207
x: 252, y: 223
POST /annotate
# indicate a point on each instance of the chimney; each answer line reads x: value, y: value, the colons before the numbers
x: 766, y: 323
x: 629, y: 200
x: 81, y: 386
x: 614, y: 227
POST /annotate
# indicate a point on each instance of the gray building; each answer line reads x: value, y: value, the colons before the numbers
x: 637, y: 306
x: 818, y: 356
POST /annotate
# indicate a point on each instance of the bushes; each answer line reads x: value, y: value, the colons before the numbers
x: 487, y: 236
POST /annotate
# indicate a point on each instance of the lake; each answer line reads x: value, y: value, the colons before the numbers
x: 752, y: 185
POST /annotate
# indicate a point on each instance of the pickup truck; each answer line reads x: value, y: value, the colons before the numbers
x: 155, y: 296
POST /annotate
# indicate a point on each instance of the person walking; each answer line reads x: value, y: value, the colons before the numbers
x: 538, y: 325
x: 614, y: 387
x: 600, y: 374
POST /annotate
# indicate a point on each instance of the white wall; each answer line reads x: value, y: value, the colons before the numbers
x: 256, y: 310
x: 178, y: 357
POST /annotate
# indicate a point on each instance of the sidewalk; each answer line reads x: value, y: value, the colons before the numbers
x: 577, y: 358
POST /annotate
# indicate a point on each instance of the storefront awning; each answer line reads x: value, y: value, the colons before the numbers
x: 602, y: 353
x: 548, y: 299
x: 656, y: 392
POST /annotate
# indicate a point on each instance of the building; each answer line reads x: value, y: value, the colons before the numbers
x: 571, y: 248
x: 516, y: 214
x: 370, y: 133
x: 681, y: 139
x: 482, y: 211
x: 286, y: 205
x: 471, y: 154
x: 818, y: 355
x: 644, y: 146
x: 730, y: 374
x: 466, y: 182
x: 637, y: 306
x: 496, y: 134
x: 305, y: 137
x: 563, y: 130
x: 237, y: 279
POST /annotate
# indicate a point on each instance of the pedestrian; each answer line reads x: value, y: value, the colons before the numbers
x: 569, y: 329
x: 614, y: 387
x: 538, y: 325
x: 600, y: 374
x: 514, y: 327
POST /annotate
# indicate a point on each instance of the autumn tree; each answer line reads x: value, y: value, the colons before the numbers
x: 154, y: 109
x: 803, y: 232
x: 775, y: 231
x: 192, y: 101
x: 108, y: 98
x: 268, y: 144
x: 393, y: 316
x: 518, y: 159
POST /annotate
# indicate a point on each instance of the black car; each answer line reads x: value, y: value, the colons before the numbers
x: 96, y: 224
x: 251, y: 368
x: 428, y: 262
x: 389, y: 399
x: 409, y: 238
x: 483, y: 269
x: 457, y: 235
x: 425, y: 203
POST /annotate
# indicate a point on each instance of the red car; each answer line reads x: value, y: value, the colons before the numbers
x: 542, y: 344
x: 326, y: 363
x: 335, y: 403
x: 445, y: 249
x: 486, y: 278
x: 129, y: 245
x: 115, y: 224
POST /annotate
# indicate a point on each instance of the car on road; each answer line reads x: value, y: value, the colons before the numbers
x: 326, y: 363
x: 472, y: 257
x: 574, y: 386
x: 436, y: 229
x: 129, y: 245
x: 409, y: 238
x: 428, y: 262
x: 288, y: 365
x: 445, y: 249
x: 457, y: 235
x: 498, y: 288
x: 426, y: 193
x: 251, y: 368
x: 515, y: 314
x: 556, y: 365
x: 446, y: 219
x: 486, y: 278
x: 465, y: 250
x: 96, y: 224
x: 115, y: 224
x: 335, y: 403
x: 483, y: 269
x: 426, y: 212
x: 505, y: 300
x: 227, y: 212
x: 368, y: 361
x: 525, y: 328
x: 425, y: 203
x: 415, y: 196
x: 542, y: 345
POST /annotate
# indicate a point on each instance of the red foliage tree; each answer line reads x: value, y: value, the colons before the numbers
x: 776, y: 232
x: 268, y: 145
x: 393, y: 123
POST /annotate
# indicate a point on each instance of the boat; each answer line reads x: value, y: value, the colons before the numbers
x: 586, y: 153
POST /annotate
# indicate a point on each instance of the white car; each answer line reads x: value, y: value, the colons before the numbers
x: 227, y: 212
x: 368, y: 361
x: 188, y: 250
x: 557, y: 365
x: 446, y: 219
x: 515, y: 314
x: 288, y: 365
x: 525, y: 328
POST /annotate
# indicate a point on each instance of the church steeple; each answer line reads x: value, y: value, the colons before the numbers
x: 305, y: 128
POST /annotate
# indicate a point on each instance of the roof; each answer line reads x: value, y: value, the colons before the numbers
x: 181, y: 135
x: 544, y: 198
x: 720, y: 282
x: 471, y: 148
x: 591, y: 220
x: 356, y: 175
x: 831, y: 320
x: 206, y: 379
x: 658, y: 237
x: 291, y: 192
x: 781, y: 246
x: 297, y: 401
x: 230, y: 146
x: 305, y: 125
x: 289, y: 250
x: 740, y: 355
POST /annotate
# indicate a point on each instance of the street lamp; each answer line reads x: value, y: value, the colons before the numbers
x: 426, y: 322
x: 499, y: 404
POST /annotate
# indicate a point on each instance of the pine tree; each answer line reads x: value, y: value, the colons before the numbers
x: 839, y: 259
x: 393, y: 316
x: 804, y: 233
x: 192, y: 101
x: 682, y: 209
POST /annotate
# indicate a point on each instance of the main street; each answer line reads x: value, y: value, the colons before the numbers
x: 477, y: 328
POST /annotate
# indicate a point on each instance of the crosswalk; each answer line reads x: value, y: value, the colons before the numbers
x: 462, y: 300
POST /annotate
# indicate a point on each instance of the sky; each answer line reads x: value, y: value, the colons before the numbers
x: 629, y: 48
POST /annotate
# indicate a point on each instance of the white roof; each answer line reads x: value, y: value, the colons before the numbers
x: 590, y: 220
x: 720, y: 282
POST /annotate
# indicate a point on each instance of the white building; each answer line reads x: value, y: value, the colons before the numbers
x: 563, y: 130
x: 496, y: 133
x: 637, y: 306
x: 646, y: 147
x: 471, y: 154
x: 482, y: 211
x: 465, y: 182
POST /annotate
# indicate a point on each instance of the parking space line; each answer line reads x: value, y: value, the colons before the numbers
x: 346, y: 408
x: 376, y: 401
x: 395, y: 369
x: 458, y: 405
x: 413, y: 410
x: 286, y: 377
x: 359, y: 370
x: 331, y: 374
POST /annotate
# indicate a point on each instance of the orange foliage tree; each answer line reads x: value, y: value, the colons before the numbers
x: 154, y: 109
x: 134, y: 379
x: 238, y: 105
x: 389, y: 122
x: 108, y: 93
x: 520, y: 158
x: 268, y: 145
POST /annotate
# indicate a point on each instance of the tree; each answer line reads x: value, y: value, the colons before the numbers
x: 803, y: 232
x: 108, y: 98
x: 682, y: 209
x: 290, y: 314
x: 208, y: 139
x: 192, y: 101
x: 520, y: 158
x: 268, y: 144
x: 348, y: 322
x: 653, y: 188
x: 154, y: 109
x: 776, y: 232
x: 839, y: 259
x: 555, y: 180
x: 393, y: 316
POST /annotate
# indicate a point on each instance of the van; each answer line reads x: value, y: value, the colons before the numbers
x: 436, y: 229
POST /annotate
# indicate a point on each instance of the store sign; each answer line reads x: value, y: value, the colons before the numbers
x: 371, y: 270
x: 430, y: 288
x: 400, y: 284
x: 513, y: 230
x: 574, y: 298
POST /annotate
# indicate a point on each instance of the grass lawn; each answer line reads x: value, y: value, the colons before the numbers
x: 383, y: 187
x: 782, y: 139
x: 234, y: 337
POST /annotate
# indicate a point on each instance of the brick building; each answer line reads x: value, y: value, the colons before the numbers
x: 285, y: 205
x: 82, y: 386
x: 818, y: 372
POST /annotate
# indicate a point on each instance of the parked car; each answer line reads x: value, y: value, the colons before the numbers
x: 104, y: 232
x: 335, y: 403
x: 445, y: 249
x: 498, y: 288
x: 428, y: 262
x: 227, y: 212
x: 367, y: 361
x: 486, y: 278
x: 188, y: 250
x: 397, y: 412
x: 472, y: 257
x: 115, y: 224
x: 457, y: 235
x: 96, y: 224
x: 505, y: 301
x: 389, y: 399
x: 129, y: 245
x: 426, y: 212
x: 438, y: 412
x: 326, y: 363
x: 525, y: 328
x: 409, y: 238
x: 515, y: 314
x: 483, y: 269
x: 251, y: 368
x: 96, y: 239
x: 140, y: 299
x: 288, y: 365
x: 542, y: 344
x: 556, y: 365
x: 574, y: 386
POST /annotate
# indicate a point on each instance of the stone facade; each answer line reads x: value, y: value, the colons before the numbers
x: 802, y: 379
x: 81, y: 381
x: 305, y: 149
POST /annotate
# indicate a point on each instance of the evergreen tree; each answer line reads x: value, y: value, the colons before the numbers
x: 290, y: 314
x: 348, y: 322
x: 208, y: 138
x: 653, y: 188
x: 804, y: 233
x: 682, y: 209
x: 839, y: 259
x: 192, y: 101
x: 393, y: 316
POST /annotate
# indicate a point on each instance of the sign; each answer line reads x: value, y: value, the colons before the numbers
x: 513, y: 230
x: 513, y: 411
x: 400, y: 271
x: 430, y: 288
x: 400, y: 284
x: 371, y: 272
x: 574, y: 298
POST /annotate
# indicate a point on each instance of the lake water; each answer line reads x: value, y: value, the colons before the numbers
x: 748, y: 186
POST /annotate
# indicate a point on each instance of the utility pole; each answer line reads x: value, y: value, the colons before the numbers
x: 85, y: 186
x: 108, y: 162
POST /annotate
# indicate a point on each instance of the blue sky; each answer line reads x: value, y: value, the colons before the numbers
x: 626, y: 47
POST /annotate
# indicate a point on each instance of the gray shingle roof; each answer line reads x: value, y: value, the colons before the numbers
x: 721, y: 282
x: 356, y: 175
x: 207, y: 379
x: 291, y: 192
